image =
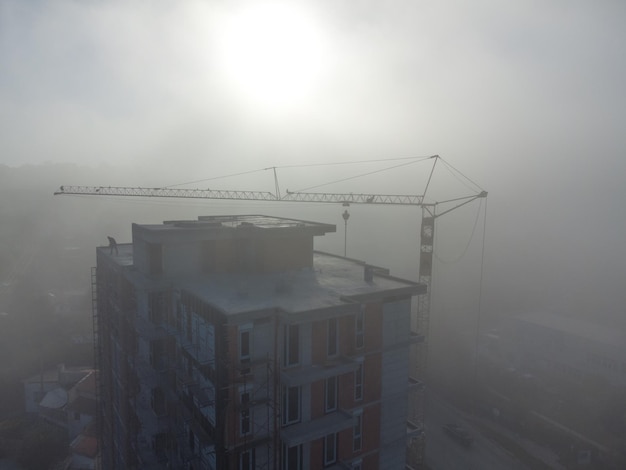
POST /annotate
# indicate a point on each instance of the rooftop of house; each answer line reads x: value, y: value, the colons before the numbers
x: 54, y: 399
x: 83, y: 405
x: 65, y: 376
x: 87, y: 385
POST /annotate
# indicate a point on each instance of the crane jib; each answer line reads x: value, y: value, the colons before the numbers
x: 337, y: 198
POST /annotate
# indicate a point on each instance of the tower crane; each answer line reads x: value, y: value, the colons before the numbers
x: 430, y: 212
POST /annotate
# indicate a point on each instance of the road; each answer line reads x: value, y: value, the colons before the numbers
x: 444, y: 453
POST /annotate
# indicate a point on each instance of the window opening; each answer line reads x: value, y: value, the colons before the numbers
x: 358, y: 382
x: 331, y: 394
x: 291, y: 405
x: 292, y: 344
x: 330, y: 449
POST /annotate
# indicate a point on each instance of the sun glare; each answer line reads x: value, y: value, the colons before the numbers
x: 271, y: 54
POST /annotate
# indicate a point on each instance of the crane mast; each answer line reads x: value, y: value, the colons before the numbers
x: 420, y: 321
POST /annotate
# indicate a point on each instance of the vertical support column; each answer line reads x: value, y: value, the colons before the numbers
x: 420, y: 322
x: 427, y: 236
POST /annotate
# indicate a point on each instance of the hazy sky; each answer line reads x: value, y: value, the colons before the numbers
x: 526, y: 97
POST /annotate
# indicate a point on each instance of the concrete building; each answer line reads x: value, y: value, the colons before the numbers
x: 63, y: 396
x: 559, y: 348
x: 564, y: 375
x: 230, y: 343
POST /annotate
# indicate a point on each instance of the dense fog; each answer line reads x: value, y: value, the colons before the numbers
x: 524, y: 101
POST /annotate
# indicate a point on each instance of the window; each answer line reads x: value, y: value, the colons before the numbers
x: 330, y: 449
x: 358, y: 382
x: 292, y: 457
x: 332, y: 337
x: 291, y: 405
x: 331, y: 394
x: 359, y: 329
x: 246, y: 460
x: 357, y: 432
x: 291, y: 342
x: 244, y: 349
x: 244, y: 345
x: 244, y: 418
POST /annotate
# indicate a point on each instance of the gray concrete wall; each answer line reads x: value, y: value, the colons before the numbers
x: 306, y: 344
x: 182, y: 259
x: 394, y: 393
x: 262, y: 341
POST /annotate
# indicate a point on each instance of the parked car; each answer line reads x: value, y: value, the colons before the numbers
x: 458, y: 433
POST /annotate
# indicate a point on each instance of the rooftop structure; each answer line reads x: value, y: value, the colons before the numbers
x: 229, y: 342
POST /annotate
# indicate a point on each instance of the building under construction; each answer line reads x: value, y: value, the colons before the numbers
x: 228, y: 342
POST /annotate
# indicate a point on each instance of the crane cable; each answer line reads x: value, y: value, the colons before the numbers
x: 482, y: 263
x: 306, y: 165
x: 217, y: 177
x: 450, y: 168
x: 357, y: 176
x: 458, y: 258
x: 480, y: 299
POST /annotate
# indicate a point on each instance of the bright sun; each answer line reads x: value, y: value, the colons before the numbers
x: 271, y: 54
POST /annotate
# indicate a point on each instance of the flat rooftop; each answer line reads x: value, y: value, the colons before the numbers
x: 325, y: 285
x: 328, y: 283
x: 259, y: 223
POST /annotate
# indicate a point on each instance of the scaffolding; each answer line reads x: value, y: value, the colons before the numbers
x: 96, y: 346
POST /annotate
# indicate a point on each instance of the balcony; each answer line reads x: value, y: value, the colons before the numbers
x: 297, y: 376
x: 146, y: 375
x: 201, y: 397
x: 309, y: 431
x: 183, y: 378
x: 148, y: 418
x: 416, y: 385
x: 414, y: 429
x: 415, y: 337
x: 341, y: 465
